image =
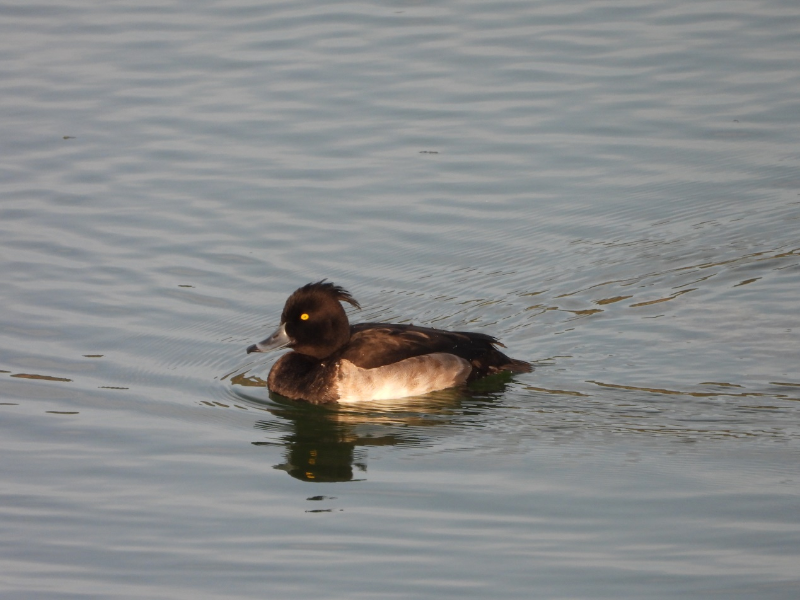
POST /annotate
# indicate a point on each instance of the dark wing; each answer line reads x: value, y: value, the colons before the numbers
x: 377, y: 344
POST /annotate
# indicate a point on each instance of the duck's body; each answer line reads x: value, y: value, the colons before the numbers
x: 334, y: 361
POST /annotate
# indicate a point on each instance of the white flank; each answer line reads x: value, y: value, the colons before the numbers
x: 409, y: 377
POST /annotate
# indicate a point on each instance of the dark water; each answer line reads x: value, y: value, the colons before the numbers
x: 610, y: 188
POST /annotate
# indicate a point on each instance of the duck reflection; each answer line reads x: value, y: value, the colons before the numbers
x: 328, y: 443
x: 322, y: 446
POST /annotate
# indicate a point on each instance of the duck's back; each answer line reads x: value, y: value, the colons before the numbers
x: 374, y: 345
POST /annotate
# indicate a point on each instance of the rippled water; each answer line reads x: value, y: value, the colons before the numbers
x: 610, y: 188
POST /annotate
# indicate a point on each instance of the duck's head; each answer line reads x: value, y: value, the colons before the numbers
x: 313, y: 321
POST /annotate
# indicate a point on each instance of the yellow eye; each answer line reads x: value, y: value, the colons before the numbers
x: 304, y: 317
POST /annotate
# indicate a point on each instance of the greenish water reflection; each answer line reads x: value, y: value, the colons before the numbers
x: 323, y: 442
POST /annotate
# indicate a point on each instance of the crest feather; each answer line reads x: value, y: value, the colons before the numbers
x: 330, y: 289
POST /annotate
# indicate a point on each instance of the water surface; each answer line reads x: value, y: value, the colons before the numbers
x: 611, y: 189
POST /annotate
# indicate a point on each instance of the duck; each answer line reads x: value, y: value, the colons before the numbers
x: 332, y: 361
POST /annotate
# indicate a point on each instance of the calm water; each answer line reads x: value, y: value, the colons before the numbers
x: 612, y: 188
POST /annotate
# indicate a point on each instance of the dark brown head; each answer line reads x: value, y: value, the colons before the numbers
x: 313, y: 321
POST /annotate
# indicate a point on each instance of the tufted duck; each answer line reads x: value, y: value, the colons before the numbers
x: 333, y: 361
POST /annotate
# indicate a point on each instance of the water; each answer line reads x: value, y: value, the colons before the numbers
x: 610, y: 188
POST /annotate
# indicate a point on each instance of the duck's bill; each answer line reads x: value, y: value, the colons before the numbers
x: 278, y: 339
